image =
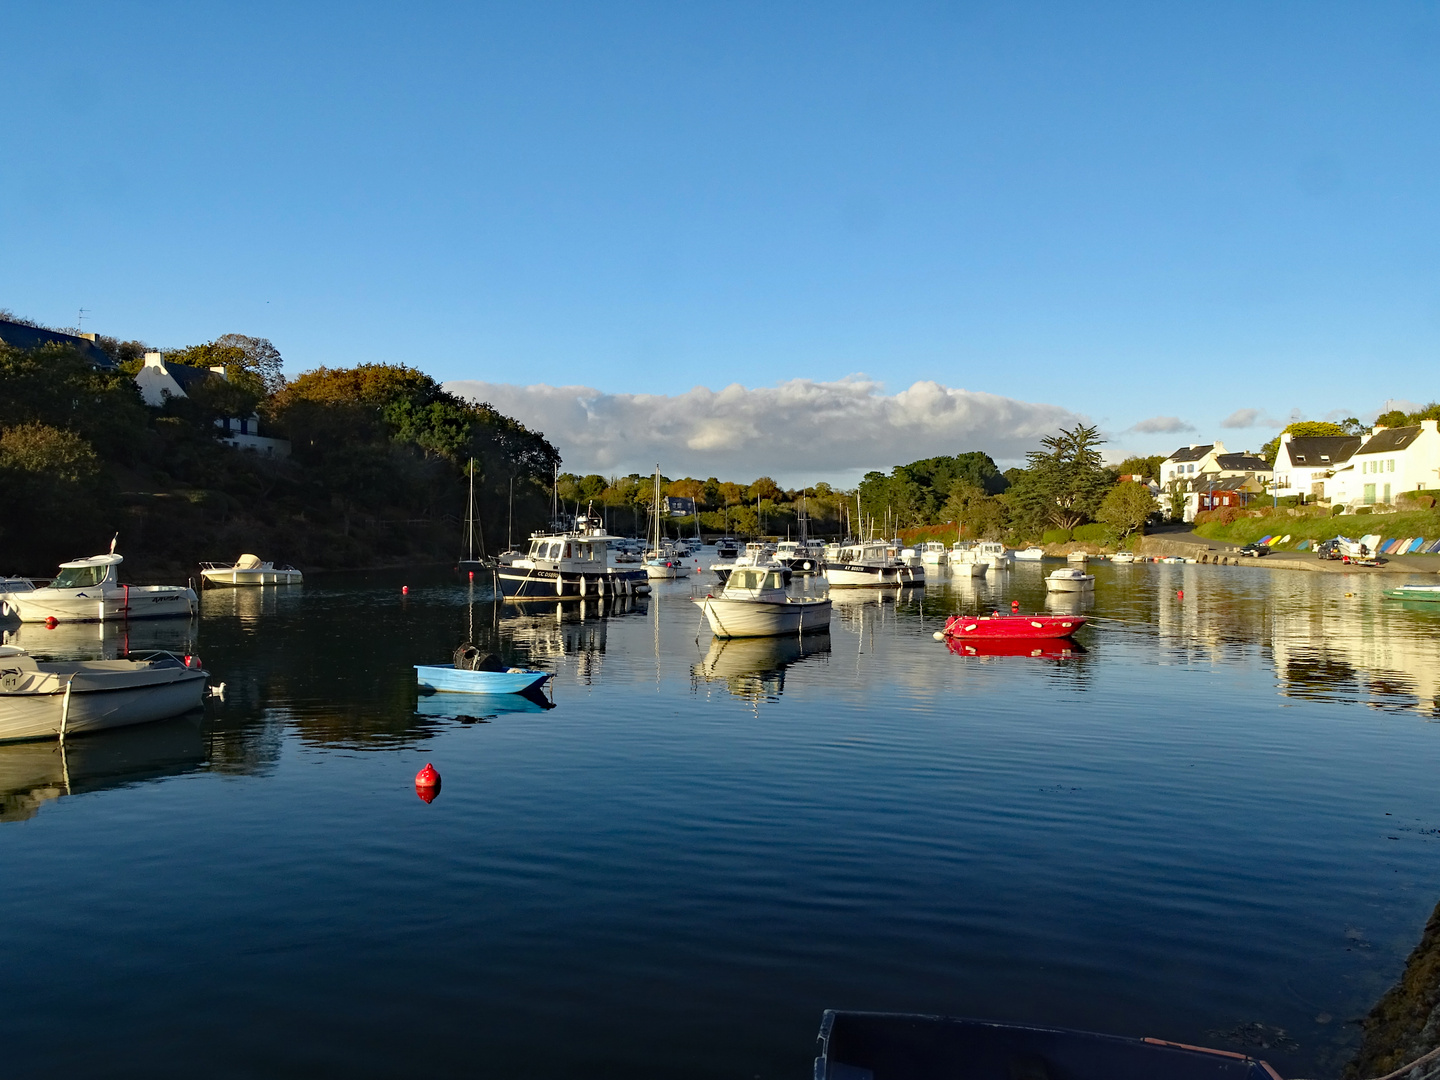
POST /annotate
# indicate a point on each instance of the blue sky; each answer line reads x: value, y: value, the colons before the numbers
x: 1130, y: 212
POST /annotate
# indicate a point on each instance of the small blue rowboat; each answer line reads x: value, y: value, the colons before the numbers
x: 448, y: 677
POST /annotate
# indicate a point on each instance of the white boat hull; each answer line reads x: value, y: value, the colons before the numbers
x: 852, y: 576
x: 1070, y: 585
x: 100, y: 699
x: 94, y: 605
x: 731, y: 618
x: 266, y: 576
x: 1030, y: 554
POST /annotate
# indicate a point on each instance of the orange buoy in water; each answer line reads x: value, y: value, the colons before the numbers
x: 51, y: 623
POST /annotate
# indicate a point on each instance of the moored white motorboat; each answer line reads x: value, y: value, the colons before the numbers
x: 569, y: 565
x: 965, y: 558
x: 800, y: 556
x: 1069, y: 580
x: 1078, y: 557
x: 249, y: 570
x: 1123, y: 557
x: 57, y: 699
x: 754, y: 604
x: 933, y: 553
x: 1030, y: 554
x: 994, y: 553
x: 865, y: 563
x: 88, y: 590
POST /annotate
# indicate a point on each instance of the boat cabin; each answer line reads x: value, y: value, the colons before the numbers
x: 867, y: 552
x: 87, y: 573
x: 754, y: 582
x: 571, y: 551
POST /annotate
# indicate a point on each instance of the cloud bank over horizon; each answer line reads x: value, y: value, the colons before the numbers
x: 798, y: 432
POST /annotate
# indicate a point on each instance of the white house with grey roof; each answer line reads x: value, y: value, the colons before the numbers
x: 1390, y: 461
x: 1305, y: 465
x: 158, y: 380
x: 1210, y: 476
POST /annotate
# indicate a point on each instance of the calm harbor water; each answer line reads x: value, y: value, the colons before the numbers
x: 1217, y: 823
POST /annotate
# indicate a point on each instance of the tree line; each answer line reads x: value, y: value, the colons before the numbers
x: 377, y: 474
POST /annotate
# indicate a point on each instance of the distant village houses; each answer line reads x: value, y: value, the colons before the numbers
x: 1210, y: 477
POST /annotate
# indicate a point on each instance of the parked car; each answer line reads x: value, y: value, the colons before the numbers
x: 1331, y: 549
x: 1255, y: 550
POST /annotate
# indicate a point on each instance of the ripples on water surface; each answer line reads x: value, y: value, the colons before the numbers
x: 1216, y: 824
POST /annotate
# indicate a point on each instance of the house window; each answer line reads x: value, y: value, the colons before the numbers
x: 1390, y: 465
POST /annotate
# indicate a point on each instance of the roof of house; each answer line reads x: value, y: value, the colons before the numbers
x: 20, y: 336
x: 1395, y: 438
x: 1191, y: 453
x: 1322, y: 450
x: 1242, y: 463
x: 1223, y: 483
x: 189, y: 377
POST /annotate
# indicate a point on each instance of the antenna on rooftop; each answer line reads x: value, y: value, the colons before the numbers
x: 80, y: 319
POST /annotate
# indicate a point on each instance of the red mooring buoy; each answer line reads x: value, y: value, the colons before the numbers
x: 51, y: 623
x: 1014, y: 605
x: 472, y: 575
x: 1180, y: 594
x: 427, y: 783
x: 404, y: 590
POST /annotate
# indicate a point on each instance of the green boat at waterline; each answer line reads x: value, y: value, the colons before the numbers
x: 1414, y: 592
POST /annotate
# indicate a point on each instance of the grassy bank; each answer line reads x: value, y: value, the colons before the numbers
x: 1246, y: 529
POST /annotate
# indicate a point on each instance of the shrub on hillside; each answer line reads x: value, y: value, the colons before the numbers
x: 1056, y: 536
x: 1362, y: 510
x: 1415, y: 500
x: 1337, y: 509
x: 1094, y: 533
x: 1225, y: 515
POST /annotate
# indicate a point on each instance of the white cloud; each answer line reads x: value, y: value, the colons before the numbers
x: 1161, y: 425
x: 1252, y: 418
x: 797, y: 432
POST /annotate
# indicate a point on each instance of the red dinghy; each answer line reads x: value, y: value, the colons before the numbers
x: 1012, y: 627
x: 1050, y: 648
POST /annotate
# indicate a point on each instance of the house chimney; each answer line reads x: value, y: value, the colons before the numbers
x: 88, y: 337
x: 219, y: 369
x: 153, y: 359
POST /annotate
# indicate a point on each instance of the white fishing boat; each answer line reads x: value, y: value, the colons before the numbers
x: 88, y: 590
x: 995, y: 553
x: 1069, y: 580
x: 800, y: 556
x: 1078, y: 557
x: 57, y: 699
x: 249, y: 570
x: 933, y: 553
x: 1030, y: 554
x: 754, y: 604
x: 864, y: 563
x: 1123, y: 557
x: 966, y: 560
x: 569, y: 564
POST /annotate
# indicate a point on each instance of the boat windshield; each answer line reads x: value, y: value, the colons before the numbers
x: 78, y: 577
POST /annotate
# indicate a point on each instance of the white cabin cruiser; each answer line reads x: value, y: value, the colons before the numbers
x: 1069, y: 579
x: 88, y: 590
x: 800, y: 556
x: 569, y: 565
x: 47, y: 700
x: 965, y: 558
x: 1030, y: 554
x: 869, y: 563
x: 758, y: 554
x: 249, y: 570
x: 754, y: 604
x: 1123, y: 557
x: 932, y: 553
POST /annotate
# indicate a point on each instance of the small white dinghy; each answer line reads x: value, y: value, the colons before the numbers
x: 89, y: 590
x: 1069, y: 580
x: 47, y: 700
x: 249, y: 570
x: 754, y: 604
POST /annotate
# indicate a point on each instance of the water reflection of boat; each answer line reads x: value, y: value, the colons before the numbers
x: 454, y: 706
x: 103, y: 640
x: 33, y: 773
x: 1069, y: 603
x: 1050, y: 648
x: 754, y: 668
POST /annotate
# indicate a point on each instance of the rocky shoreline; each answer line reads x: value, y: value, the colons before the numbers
x: 1404, y: 1024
